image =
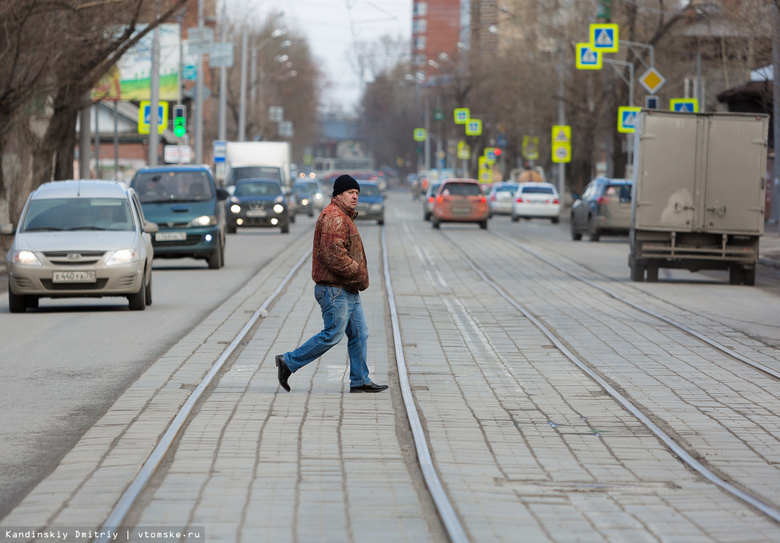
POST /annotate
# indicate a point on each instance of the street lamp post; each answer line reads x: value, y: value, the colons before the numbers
x: 242, y: 94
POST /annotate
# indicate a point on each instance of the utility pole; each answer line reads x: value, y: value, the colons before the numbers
x: 199, y: 105
x: 154, y: 120
x: 85, y: 138
x: 222, y: 122
x: 776, y: 116
x: 242, y: 90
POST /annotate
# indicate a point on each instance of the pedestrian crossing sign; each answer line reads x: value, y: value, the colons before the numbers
x: 689, y: 105
x: 604, y: 37
x: 561, y: 133
x: 587, y: 57
x: 461, y: 115
x: 420, y: 134
x: 474, y: 127
x: 627, y: 119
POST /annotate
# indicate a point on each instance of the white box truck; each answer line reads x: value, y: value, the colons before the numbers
x: 257, y: 159
x: 698, y: 193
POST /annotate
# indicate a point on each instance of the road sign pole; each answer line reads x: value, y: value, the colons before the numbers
x: 561, y: 120
x: 154, y: 117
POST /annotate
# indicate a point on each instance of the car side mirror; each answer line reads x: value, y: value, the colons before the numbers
x: 151, y: 228
x: 222, y: 194
x: 7, y: 229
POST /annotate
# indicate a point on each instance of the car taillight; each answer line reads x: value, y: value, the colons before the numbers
x: 601, y: 200
x: 519, y: 199
x: 483, y: 200
x: 493, y: 198
x: 430, y: 199
x: 555, y: 201
x: 440, y: 199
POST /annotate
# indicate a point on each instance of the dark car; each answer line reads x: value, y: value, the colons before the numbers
x: 316, y: 191
x: 258, y: 203
x: 371, y: 203
x: 304, y: 197
x: 603, y: 208
x: 187, y: 206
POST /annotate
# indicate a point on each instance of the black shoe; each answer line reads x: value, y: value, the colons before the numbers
x: 370, y: 387
x: 284, y: 372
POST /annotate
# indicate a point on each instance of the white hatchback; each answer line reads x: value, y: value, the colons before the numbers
x: 536, y: 200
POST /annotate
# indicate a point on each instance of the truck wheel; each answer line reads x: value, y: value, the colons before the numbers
x: 749, y: 276
x: 737, y: 275
x: 637, y: 271
x: 652, y: 274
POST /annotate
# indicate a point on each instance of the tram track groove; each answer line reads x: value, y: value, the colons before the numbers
x: 441, y: 500
x: 767, y: 509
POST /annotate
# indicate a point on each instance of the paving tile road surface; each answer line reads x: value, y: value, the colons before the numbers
x: 527, y: 447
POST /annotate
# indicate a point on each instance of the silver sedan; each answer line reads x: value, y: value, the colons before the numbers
x: 80, y: 239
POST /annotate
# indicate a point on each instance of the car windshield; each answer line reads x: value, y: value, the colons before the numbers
x: 258, y: 188
x: 369, y: 190
x: 249, y: 172
x: 461, y: 189
x: 69, y: 214
x: 537, y: 190
x: 156, y: 187
x: 507, y: 188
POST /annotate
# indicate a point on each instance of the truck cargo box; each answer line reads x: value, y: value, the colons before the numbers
x: 698, y: 194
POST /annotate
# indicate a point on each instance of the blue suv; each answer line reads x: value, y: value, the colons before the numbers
x: 188, y: 208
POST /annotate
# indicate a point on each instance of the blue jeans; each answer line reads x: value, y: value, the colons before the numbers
x: 342, y: 313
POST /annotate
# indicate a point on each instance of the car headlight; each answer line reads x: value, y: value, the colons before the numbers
x: 204, y: 220
x: 305, y: 202
x: 376, y: 207
x: 278, y: 208
x: 235, y: 208
x: 27, y: 258
x: 122, y: 256
x: 318, y: 196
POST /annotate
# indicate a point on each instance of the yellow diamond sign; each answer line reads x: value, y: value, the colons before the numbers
x: 652, y: 80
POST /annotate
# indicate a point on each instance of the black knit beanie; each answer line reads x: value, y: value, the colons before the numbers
x: 344, y: 183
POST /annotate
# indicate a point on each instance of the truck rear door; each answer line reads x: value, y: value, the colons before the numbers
x: 733, y: 187
x: 666, y: 175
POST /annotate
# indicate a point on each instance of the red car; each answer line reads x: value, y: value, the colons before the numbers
x: 460, y: 200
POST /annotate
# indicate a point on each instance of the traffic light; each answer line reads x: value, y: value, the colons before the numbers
x: 179, y: 121
x: 497, y: 151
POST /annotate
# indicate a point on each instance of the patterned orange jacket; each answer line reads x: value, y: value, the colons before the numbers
x: 338, y: 259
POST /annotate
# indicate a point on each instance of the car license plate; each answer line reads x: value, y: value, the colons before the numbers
x: 170, y: 236
x: 255, y: 213
x: 73, y: 277
x: 461, y: 210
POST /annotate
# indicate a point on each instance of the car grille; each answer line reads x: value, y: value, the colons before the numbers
x: 74, y: 258
x: 97, y: 285
x: 259, y: 206
x: 192, y: 239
